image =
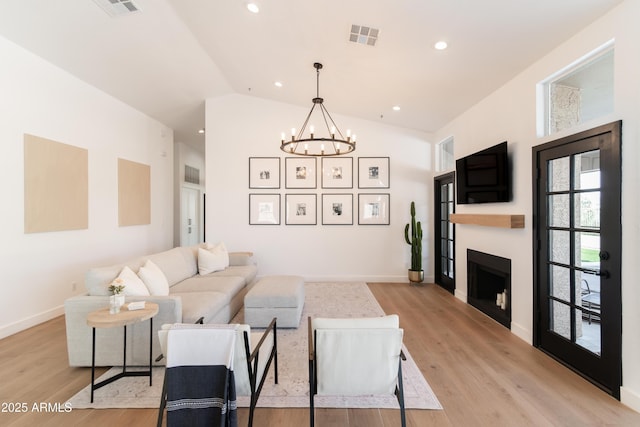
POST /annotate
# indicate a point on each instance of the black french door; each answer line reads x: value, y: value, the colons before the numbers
x: 577, y: 251
x: 444, y: 205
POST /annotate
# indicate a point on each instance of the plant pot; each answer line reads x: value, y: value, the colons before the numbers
x: 416, y: 276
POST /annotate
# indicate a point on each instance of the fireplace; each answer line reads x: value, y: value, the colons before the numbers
x: 489, y: 285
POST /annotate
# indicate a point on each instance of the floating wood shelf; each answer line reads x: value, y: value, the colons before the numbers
x: 489, y: 220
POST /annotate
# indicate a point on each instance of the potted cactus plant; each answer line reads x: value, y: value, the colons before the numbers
x: 413, y: 237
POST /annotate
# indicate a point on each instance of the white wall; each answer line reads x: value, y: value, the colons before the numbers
x: 38, y: 269
x: 509, y: 114
x: 239, y: 127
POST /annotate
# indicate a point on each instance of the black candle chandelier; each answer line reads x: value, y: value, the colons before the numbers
x: 333, y: 144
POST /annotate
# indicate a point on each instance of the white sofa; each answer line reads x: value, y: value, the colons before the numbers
x: 214, y: 298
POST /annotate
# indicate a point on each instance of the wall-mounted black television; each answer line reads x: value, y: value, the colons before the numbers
x: 483, y: 177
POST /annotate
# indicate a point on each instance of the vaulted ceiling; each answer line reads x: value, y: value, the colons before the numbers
x: 171, y: 55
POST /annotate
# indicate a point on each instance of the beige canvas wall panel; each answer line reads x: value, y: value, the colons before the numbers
x: 56, y: 189
x: 134, y: 193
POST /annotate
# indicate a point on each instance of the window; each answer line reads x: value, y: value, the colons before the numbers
x: 444, y: 155
x: 578, y: 93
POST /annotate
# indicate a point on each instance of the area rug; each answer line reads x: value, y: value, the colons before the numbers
x: 321, y: 300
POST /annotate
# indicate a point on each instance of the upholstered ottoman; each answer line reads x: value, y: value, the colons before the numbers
x: 275, y: 296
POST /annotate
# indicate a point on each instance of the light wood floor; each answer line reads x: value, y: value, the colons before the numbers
x: 482, y: 374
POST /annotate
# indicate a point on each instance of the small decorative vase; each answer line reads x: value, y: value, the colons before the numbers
x: 115, y: 302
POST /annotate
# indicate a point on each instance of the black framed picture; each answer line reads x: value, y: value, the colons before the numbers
x: 337, y: 209
x: 264, y: 209
x: 337, y: 172
x: 300, y: 209
x: 373, y: 172
x: 373, y: 209
x: 300, y: 172
x: 264, y: 172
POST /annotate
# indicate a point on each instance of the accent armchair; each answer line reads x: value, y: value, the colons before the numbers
x: 359, y: 356
x: 253, y: 354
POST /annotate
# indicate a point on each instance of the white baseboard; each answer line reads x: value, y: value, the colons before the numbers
x: 385, y: 279
x: 461, y: 296
x: 631, y: 398
x: 402, y: 278
x: 522, y: 333
x: 21, y: 325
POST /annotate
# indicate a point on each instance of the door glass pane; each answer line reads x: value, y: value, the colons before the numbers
x: 451, y: 268
x: 450, y: 192
x: 588, y: 334
x: 443, y: 265
x: 559, y: 210
x: 559, y: 172
x: 587, y: 209
x: 588, y: 250
x: 587, y: 170
x: 589, y: 293
x: 559, y: 246
x: 559, y: 284
x: 560, y: 321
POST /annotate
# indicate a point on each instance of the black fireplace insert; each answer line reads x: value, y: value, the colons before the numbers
x: 489, y: 285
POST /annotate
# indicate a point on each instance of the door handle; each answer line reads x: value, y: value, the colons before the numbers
x: 600, y: 273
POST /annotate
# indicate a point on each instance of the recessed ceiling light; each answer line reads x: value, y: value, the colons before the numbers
x: 278, y: 84
x: 441, y: 45
x: 396, y: 108
x: 253, y: 8
x: 201, y: 131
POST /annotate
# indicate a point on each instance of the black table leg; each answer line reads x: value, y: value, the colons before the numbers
x: 124, y: 372
x: 93, y: 361
x: 150, y: 349
x: 124, y: 351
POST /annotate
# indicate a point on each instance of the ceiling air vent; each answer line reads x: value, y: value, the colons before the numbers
x: 116, y: 8
x: 364, y: 35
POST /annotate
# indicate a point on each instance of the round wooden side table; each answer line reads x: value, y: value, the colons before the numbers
x: 103, y: 319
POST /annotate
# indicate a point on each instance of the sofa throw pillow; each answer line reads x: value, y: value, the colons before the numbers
x: 218, y: 248
x: 133, y: 285
x: 154, y: 279
x: 214, y: 259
